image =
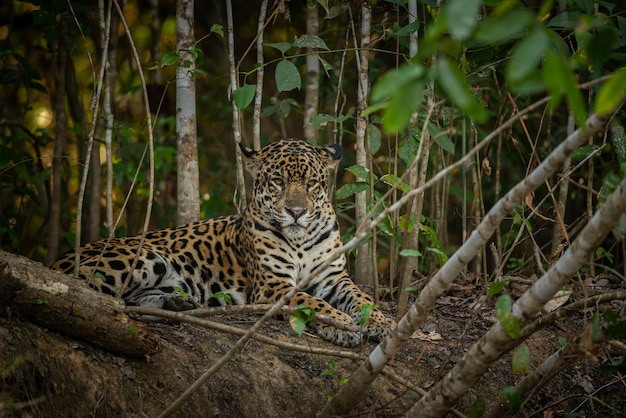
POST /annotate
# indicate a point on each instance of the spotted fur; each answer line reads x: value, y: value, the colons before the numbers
x: 288, y: 229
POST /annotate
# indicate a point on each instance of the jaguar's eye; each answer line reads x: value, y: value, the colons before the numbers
x: 312, y: 184
x: 278, y: 182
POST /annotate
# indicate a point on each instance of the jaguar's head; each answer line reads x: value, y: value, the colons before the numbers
x: 291, y: 182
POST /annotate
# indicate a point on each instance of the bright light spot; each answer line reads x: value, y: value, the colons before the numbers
x: 43, y: 117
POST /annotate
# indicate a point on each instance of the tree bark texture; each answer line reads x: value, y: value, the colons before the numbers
x: 58, y: 302
x: 186, y: 135
x: 363, y: 266
x: 59, y: 149
x: 311, y: 98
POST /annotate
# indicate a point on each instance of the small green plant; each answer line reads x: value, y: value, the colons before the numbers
x: 99, y: 276
x: 366, y: 313
x: 221, y: 295
x: 181, y: 293
x: 301, y: 317
x: 39, y: 301
x: 332, y: 371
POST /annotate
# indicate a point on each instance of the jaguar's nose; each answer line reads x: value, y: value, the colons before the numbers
x: 296, y: 213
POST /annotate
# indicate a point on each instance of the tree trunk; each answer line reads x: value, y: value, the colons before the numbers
x: 58, y: 302
x: 363, y: 267
x: 311, y: 98
x: 186, y: 137
x: 59, y: 149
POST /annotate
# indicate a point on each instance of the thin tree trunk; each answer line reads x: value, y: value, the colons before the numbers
x: 258, y: 97
x: 188, y: 193
x: 93, y: 222
x: 59, y: 149
x: 311, y: 98
x: 363, y: 268
x: 234, y: 85
x: 559, y: 228
x: 362, y: 378
x: 107, y: 108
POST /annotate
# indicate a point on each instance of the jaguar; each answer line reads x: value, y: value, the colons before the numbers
x: 288, y: 229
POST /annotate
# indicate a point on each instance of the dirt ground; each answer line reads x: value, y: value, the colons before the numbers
x: 45, y: 374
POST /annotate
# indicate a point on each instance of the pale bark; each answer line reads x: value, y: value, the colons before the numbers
x: 107, y: 108
x: 311, y: 92
x: 417, y: 177
x: 234, y: 85
x: 361, y: 379
x: 363, y: 267
x: 188, y: 193
x: 258, y: 97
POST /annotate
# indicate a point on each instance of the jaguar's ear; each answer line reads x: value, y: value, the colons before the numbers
x: 332, y: 154
x: 251, y: 159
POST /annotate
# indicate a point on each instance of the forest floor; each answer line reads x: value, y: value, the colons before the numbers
x: 46, y: 374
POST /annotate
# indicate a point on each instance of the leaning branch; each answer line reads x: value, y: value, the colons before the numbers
x: 362, y: 378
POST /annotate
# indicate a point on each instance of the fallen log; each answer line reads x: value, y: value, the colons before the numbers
x: 58, y: 302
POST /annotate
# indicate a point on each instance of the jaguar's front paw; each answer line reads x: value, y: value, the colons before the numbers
x: 178, y: 303
x: 378, y: 326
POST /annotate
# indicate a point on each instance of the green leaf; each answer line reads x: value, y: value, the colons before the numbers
x: 310, y: 41
x: 297, y: 324
x: 360, y: 172
x: 494, y: 288
x: 440, y: 138
x: 394, y: 82
x: 407, y: 29
x: 521, y: 359
x: 395, y: 181
x: 559, y: 80
x: 366, y: 313
x: 349, y: 189
x: 100, y: 276
x: 407, y: 252
x: 461, y: 17
x: 300, y: 317
x: 402, y: 105
x: 216, y: 28
x: 611, y: 92
x: 375, y: 138
x: 321, y: 119
x: 281, y: 46
x: 170, y: 58
x: 325, y: 64
x: 499, y: 29
x: 508, y: 322
x: 526, y: 55
x: 243, y: 96
x: 287, y: 76
x: 452, y: 82
x: 511, y: 396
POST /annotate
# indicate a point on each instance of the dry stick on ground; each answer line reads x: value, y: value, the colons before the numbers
x: 193, y: 317
x: 349, y: 394
x: 238, y: 310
